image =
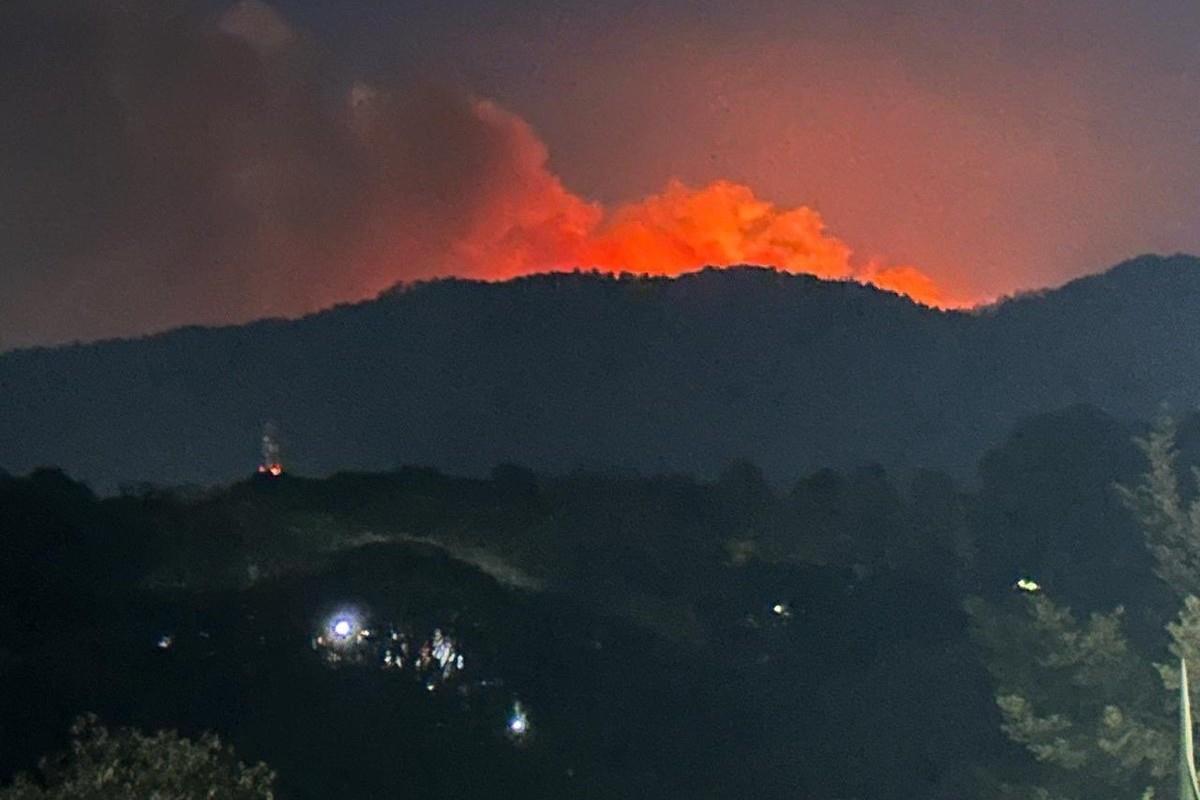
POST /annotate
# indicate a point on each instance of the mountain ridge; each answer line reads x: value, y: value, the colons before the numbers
x: 564, y: 370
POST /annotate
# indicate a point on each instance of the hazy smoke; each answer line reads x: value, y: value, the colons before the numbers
x: 163, y: 166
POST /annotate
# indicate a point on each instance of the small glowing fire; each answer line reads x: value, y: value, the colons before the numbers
x: 271, y: 463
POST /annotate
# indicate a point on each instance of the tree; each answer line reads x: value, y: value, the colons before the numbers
x: 129, y: 765
x: 1075, y: 694
x: 1171, y: 524
x: 1089, y: 702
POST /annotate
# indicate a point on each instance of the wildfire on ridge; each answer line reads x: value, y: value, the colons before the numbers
x: 520, y: 218
x: 678, y: 230
x: 271, y: 463
x: 915, y: 284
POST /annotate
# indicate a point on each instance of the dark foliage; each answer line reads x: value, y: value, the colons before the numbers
x: 672, y: 637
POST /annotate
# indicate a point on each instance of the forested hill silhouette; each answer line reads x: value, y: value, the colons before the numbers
x: 568, y: 370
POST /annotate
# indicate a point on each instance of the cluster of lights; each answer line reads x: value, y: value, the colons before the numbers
x: 345, y: 637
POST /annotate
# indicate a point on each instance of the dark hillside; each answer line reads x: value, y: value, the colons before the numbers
x: 562, y: 371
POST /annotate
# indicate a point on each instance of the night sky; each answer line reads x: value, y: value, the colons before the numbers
x: 165, y: 163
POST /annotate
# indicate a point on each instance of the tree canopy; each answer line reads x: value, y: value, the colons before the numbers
x: 125, y: 764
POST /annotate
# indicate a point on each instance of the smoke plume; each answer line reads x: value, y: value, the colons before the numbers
x: 163, y: 165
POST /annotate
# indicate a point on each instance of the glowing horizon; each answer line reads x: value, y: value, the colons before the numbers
x: 876, y: 281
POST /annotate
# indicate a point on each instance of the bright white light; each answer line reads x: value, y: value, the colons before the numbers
x: 342, y: 627
x: 518, y: 720
x: 777, y: 608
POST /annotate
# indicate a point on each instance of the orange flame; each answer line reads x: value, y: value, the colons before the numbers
x: 527, y: 221
x: 915, y: 284
x: 719, y: 225
x: 537, y: 225
x: 681, y: 229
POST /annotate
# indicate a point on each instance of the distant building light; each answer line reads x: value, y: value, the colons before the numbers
x: 1028, y: 585
x: 518, y: 721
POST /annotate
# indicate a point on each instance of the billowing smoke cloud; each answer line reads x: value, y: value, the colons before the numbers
x: 161, y: 166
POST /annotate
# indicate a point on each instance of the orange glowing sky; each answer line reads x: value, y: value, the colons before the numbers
x: 533, y: 223
x: 216, y: 161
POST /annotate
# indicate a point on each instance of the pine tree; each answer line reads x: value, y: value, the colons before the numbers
x: 1171, y: 526
x: 1090, y: 707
